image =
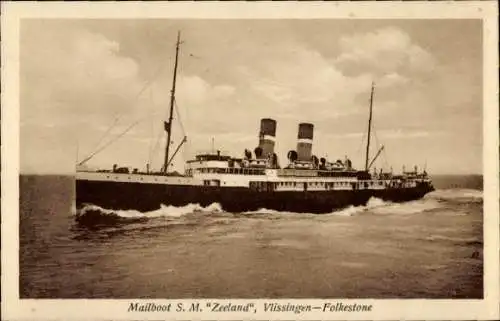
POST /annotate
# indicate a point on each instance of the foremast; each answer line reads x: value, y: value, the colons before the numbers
x: 168, y: 125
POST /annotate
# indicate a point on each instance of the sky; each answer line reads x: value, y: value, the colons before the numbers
x: 84, y: 82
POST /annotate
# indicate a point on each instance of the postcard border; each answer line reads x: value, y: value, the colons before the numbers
x: 15, y: 309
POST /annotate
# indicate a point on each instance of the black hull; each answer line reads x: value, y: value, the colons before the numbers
x: 148, y: 197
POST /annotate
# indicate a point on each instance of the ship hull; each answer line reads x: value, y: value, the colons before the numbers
x: 148, y: 197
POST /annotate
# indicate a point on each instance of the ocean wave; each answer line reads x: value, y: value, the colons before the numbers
x: 429, y: 202
x: 164, y: 210
x: 461, y: 195
x: 95, y: 215
x: 373, y: 203
x: 276, y: 213
x: 406, y: 208
x: 348, y: 211
x: 381, y: 207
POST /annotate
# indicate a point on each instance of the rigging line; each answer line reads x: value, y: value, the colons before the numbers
x: 111, y: 141
x: 377, y: 141
x: 152, y: 124
x: 179, y: 117
x: 152, y: 133
x: 105, y: 134
x: 155, y: 149
x: 361, y: 143
x: 181, y: 124
x: 139, y: 93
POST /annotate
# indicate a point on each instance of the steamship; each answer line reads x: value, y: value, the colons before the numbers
x: 253, y: 181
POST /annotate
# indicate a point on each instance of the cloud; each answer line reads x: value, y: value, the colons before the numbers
x: 397, y: 133
x: 303, y: 73
x: 195, y: 90
x: 73, y: 83
x: 409, y: 134
x: 383, y: 51
x: 300, y: 75
x: 75, y: 69
x: 299, y: 78
x: 392, y: 80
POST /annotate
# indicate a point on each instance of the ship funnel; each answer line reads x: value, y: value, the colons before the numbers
x: 267, y: 136
x: 304, y: 143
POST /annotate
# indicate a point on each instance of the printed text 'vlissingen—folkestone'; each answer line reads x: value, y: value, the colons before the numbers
x: 325, y: 307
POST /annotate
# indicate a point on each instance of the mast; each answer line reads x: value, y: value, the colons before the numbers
x: 369, y: 129
x: 168, y: 125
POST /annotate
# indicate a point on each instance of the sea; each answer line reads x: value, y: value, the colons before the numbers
x: 429, y: 248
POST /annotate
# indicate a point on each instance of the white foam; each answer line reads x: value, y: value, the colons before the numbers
x: 462, y: 194
x: 266, y: 211
x: 73, y: 208
x: 348, y: 211
x: 412, y: 207
x: 372, y: 203
x: 163, y: 211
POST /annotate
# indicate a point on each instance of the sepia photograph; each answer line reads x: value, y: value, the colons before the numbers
x: 277, y: 160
